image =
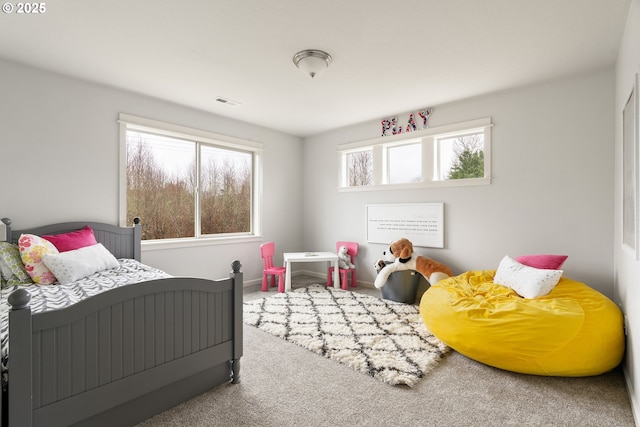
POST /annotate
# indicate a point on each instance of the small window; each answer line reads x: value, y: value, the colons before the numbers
x: 460, y: 157
x: 405, y: 163
x: 452, y: 155
x: 360, y: 168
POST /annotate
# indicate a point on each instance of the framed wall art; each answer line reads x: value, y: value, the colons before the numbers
x: 630, y: 171
x: 422, y: 223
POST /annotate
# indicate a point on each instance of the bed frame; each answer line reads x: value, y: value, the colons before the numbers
x: 126, y: 354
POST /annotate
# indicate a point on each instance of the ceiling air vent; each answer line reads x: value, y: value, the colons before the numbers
x: 227, y: 101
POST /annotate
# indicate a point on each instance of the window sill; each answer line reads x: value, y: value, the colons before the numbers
x: 420, y: 185
x: 159, y: 245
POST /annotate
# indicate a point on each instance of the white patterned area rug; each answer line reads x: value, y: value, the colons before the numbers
x: 381, y: 338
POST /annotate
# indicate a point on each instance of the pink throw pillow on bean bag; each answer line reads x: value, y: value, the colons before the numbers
x: 73, y: 240
x: 547, y: 262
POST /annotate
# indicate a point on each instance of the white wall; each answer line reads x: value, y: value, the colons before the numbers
x: 59, y: 162
x: 552, y: 187
x: 627, y: 268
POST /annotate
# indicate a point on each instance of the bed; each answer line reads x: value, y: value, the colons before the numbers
x: 122, y: 355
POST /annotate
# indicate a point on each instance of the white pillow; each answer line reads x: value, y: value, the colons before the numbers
x: 79, y: 263
x: 528, y: 282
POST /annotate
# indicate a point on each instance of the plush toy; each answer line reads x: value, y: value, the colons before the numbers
x: 400, y: 255
x: 344, y: 260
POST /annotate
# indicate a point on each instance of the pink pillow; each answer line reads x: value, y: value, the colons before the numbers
x: 73, y: 240
x: 547, y: 262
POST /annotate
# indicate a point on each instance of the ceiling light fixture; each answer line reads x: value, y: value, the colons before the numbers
x: 312, y: 62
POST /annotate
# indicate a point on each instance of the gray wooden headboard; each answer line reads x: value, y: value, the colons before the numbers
x: 122, y: 242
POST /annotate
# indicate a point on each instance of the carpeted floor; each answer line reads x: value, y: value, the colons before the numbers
x: 286, y: 385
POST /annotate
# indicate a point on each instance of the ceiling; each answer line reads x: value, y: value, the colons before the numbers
x: 389, y: 57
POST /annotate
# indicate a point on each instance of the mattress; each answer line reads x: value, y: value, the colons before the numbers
x: 53, y: 297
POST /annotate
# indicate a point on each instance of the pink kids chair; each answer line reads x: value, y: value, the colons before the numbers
x: 352, y: 251
x: 266, y: 251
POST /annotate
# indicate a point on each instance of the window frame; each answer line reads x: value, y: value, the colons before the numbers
x: 428, y: 137
x: 135, y: 123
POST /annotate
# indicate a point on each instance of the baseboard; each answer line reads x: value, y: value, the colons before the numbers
x: 251, y: 284
x: 323, y: 277
x: 635, y: 409
x: 256, y: 284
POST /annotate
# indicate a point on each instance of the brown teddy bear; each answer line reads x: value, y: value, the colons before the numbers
x: 400, y: 254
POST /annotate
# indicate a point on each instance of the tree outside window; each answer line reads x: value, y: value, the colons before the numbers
x: 469, y: 161
x: 176, y: 199
x: 461, y: 157
x: 360, y: 168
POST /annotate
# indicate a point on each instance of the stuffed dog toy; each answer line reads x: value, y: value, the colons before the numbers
x: 400, y: 254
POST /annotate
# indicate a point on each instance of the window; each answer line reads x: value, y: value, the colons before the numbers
x: 404, y: 163
x: 460, y: 157
x: 360, y: 168
x: 185, y: 183
x: 451, y: 155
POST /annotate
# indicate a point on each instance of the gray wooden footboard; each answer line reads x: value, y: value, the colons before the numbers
x: 124, y: 355
x: 87, y: 362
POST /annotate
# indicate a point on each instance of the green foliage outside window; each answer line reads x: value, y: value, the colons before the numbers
x: 469, y: 161
x: 469, y: 164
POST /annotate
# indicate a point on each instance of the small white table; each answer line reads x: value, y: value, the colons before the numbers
x: 291, y: 257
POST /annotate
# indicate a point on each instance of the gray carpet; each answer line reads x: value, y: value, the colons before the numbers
x: 286, y: 385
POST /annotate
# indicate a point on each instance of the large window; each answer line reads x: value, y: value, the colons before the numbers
x: 185, y: 183
x: 452, y: 155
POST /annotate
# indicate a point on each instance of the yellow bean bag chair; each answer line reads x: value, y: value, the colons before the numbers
x: 572, y: 331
